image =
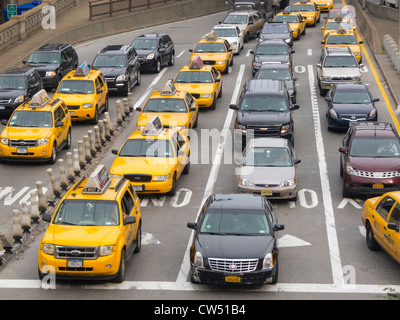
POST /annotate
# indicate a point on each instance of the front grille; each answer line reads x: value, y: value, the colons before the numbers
x: 22, y: 142
x: 354, y: 117
x: 269, y: 186
x: 138, y: 177
x: 5, y: 101
x: 110, y: 79
x: 195, y: 95
x: 209, y: 62
x: 233, y: 265
x: 265, y: 131
x: 377, y: 175
x: 73, y: 107
x: 342, y: 78
x: 90, y: 253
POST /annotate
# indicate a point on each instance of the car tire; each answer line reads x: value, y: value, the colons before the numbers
x: 275, y: 272
x: 95, y: 119
x: 138, y: 240
x: 106, y: 105
x: 139, y: 77
x: 172, y: 59
x: 120, y: 277
x: 187, y: 167
x: 346, y: 193
x: 172, y: 192
x: 226, y: 71
x: 372, y: 244
x: 53, y: 157
x: 157, y: 69
x: 68, y: 140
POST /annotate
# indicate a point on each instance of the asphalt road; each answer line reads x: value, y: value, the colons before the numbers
x: 323, y: 253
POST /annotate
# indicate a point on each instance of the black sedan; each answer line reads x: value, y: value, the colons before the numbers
x: 348, y: 103
x: 235, y: 241
x: 271, y: 51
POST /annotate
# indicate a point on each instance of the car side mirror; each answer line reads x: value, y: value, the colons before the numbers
x: 114, y: 151
x: 4, y: 122
x: 252, y: 51
x: 100, y: 91
x: 322, y: 42
x: 292, y: 51
x: 233, y: 107
x: 278, y: 227
x: 375, y: 99
x: 181, y: 153
x: 296, y: 161
x: 190, y: 50
x: 343, y: 150
x: 129, y: 220
x: 46, y: 217
x: 362, y: 65
x: 319, y: 65
x: 361, y: 42
x: 138, y: 108
x: 192, y: 109
x: 329, y: 99
x: 393, y: 226
x: 192, y: 225
x: 295, y: 107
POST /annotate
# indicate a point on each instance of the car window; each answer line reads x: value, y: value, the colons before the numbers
x: 128, y: 202
x: 395, y: 215
x: 375, y: 147
x: 385, y: 206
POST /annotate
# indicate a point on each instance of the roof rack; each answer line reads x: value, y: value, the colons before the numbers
x: 153, y: 127
x: 98, y: 181
x: 83, y: 70
x: 40, y: 99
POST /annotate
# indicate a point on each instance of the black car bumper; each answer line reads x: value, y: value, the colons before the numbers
x: 50, y: 82
x: 146, y: 65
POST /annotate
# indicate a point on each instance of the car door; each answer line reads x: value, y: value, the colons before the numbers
x: 379, y: 220
x: 217, y: 78
x: 100, y: 90
x: 181, y: 151
x: 391, y: 234
x: 128, y: 208
x: 190, y: 104
x: 59, y: 117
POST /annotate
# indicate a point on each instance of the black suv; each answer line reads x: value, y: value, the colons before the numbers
x: 120, y: 67
x: 155, y: 50
x: 53, y: 62
x: 17, y: 85
x: 264, y: 110
x: 277, y: 30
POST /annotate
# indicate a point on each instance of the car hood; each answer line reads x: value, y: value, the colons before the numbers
x: 266, y: 58
x: 78, y: 99
x: 142, y: 165
x: 341, y: 72
x: 235, y: 247
x: 11, y: 94
x: 90, y: 236
x: 145, y: 53
x: 167, y: 119
x: 267, y: 175
x: 111, y: 72
x: 374, y: 164
x: 343, y: 108
x: 195, y: 87
x: 263, y: 119
x: 44, y: 66
x: 26, y: 133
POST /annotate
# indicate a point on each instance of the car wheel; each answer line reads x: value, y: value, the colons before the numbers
x: 275, y: 272
x: 246, y: 37
x: 212, y: 107
x: 158, y: 66
x: 138, y: 78
x: 172, y: 192
x: 122, y: 268
x: 53, y: 157
x: 187, y: 166
x: 172, y: 60
x: 192, y: 277
x: 226, y: 71
x: 346, y: 193
x: 95, y: 119
x: 138, y: 240
x: 371, y: 242
x: 128, y: 87
x: 68, y: 140
x: 106, y: 105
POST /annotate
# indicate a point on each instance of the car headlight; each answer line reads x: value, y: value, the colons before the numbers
x: 219, y: 62
x: 19, y: 99
x: 179, y: 128
x: 150, y: 56
x: 333, y: 113
x: 162, y: 178
x: 51, y: 73
x: 372, y: 113
x: 48, y: 248
x: 42, y: 142
x: 4, y: 141
x: 286, y: 128
x: 106, y: 250
x: 288, y: 183
x: 140, y: 128
x: 205, y: 96
x: 326, y: 78
x: 350, y: 170
x: 268, y: 261
x: 122, y: 77
x: 256, y: 64
x: 198, y: 260
x: 87, y: 105
x: 246, y: 182
x: 287, y: 40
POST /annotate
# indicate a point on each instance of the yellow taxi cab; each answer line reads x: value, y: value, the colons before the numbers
x: 94, y: 231
x: 324, y: 5
x: 381, y: 218
x: 36, y: 130
x: 341, y: 39
x: 295, y: 20
x: 309, y: 10
x: 333, y: 24
x: 85, y: 93
x: 203, y: 82
x: 153, y: 159
x: 214, y: 51
x: 176, y: 109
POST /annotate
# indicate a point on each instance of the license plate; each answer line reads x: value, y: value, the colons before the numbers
x: 234, y: 279
x: 22, y: 150
x: 266, y: 192
x: 74, y: 263
x: 138, y: 188
x: 377, y: 186
x: 72, y: 113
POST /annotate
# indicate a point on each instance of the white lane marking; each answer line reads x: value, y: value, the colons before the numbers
x: 185, y: 265
x: 179, y: 55
x: 150, y: 88
x: 309, y: 52
x: 333, y: 243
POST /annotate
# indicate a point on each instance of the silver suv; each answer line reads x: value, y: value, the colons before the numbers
x: 337, y: 65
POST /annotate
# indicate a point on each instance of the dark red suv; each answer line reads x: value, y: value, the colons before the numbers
x: 370, y: 159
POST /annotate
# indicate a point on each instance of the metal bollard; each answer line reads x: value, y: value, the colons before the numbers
x: 130, y: 101
x: 25, y: 217
x: 107, y: 133
x: 120, y: 111
x: 63, y: 175
x: 76, y: 167
x: 91, y: 143
x: 126, y: 106
x: 110, y: 126
x: 17, y: 229
x: 56, y: 188
x: 42, y: 202
x: 81, y: 155
x: 6, y: 243
x: 97, y: 140
x: 34, y: 207
x: 102, y: 133
x: 88, y: 155
x: 70, y: 166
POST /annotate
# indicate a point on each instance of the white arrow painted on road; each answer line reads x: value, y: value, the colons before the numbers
x: 148, y: 238
x: 345, y: 201
x: 291, y: 241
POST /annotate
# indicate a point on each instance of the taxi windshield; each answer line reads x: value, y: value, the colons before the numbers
x: 271, y: 50
x: 28, y: 118
x: 277, y: 74
x: 375, y: 147
x: 76, y: 87
x: 165, y: 105
x: 286, y: 18
x: 145, y: 44
x: 106, y: 61
x: 210, y: 47
x: 193, y: 77
x: 263, y: 103
x: 44, y: 57
x: 226, y: 32
x: 334, y: 25
x: 342, y: 39
x: 340, y: 62
x: 237, y: 222
x: 303, y: 7
x: 147, y: 148
x: 87, y: 213
x: 12, y: 83
x: 279, y: 28
x: 268, y: 157
x: 235, y: 19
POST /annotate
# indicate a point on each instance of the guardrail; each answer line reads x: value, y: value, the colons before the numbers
x: 101, y: 7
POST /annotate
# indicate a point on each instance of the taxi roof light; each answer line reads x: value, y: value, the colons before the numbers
x: 287, y: 10
x: 212, y: 36
x: 341, y: 30
x: 153, y: 127
x: 338, y: 17
x: 98, y: 181
x: 169, y: 89
x: 40, y: 99
x: 83, y: 70
x: 196, y: 63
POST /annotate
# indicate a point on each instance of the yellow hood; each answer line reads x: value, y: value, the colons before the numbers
x: 26, y: 133
x: 167, y: 119
x: 217, y: 56
x: 143, y: 165
x: 75, y: 99
x: 195, y: 87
